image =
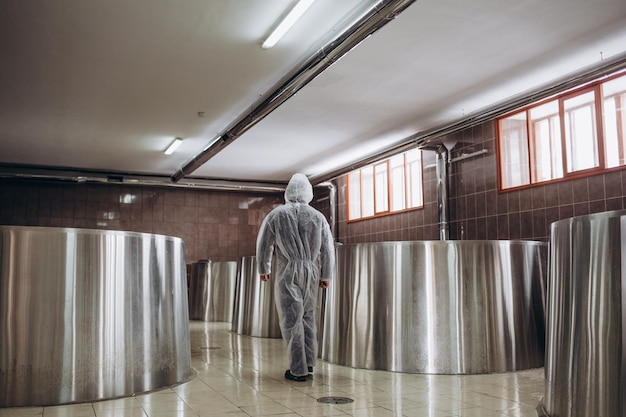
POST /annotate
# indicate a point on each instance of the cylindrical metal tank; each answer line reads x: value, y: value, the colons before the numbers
x: 585, y: 356
x: 90, y: 314
x: 442, y: 307
x: 254, y: 311
x: 212, y: 290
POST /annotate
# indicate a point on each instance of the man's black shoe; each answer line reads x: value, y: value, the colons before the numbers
x: 289, y: 375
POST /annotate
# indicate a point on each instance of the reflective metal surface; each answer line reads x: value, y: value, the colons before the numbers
x: 212, y: 290
x: 90, y: 314
x: 254, y: 309
x: 585, y: 332
x: 453, y: 307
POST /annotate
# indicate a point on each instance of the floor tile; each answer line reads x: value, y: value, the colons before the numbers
x: 243, y: 376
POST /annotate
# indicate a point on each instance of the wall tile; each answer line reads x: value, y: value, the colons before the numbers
x: 526, y: 199
x: 597, y: 206
x: 551, y: 195
x: 492, y: 227
x: 580, y: 190
x: 566, y: 211
x: 595, y: 186
x: 566, y: 193
x: 613, y: 184
x: 513, y: 201
x: 538, y: 197
x: 503, y: 226
x: 614, y: 204
x: 581, y: 209
x: 515, y: 231
x: 153, y: 210
x: 552, y: 215
x: 526, y: 225
x: 539, y: 224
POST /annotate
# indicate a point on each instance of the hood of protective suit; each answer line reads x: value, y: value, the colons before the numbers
x: 299, y: 189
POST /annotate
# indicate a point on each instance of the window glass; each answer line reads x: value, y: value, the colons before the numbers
x: 514, y: 151
x: 580, y: 132
x: 367, y: 191
x: 354, y: 195
x: 381, y: 190
x: 576, y: 134
x: 614, y: 101
x: 545, y: 123
x: 396, y: 166
x: 414, y: 187
x: 392, y: 185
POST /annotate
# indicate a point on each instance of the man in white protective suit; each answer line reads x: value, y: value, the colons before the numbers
x: 305, y: 259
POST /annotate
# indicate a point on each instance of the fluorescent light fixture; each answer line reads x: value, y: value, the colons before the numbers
x: 173, y: 146
x: 287, y: 23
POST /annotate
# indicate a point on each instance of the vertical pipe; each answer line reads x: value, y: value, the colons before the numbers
x: 332, y: 201
x: 442, y: 192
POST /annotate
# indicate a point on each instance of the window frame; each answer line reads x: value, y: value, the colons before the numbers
x: 407, y: 195
x: 568, y: 174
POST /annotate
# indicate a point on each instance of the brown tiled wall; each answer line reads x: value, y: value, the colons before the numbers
x: 481, y: 212
x: 221, y: 226
x: 478, y: 210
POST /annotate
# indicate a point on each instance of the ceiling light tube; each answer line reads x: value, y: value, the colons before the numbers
x: 173, y: 146
x: 286, y: 23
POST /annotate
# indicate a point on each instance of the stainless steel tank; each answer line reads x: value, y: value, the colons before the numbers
x: 254, y: 311
x: 89, y: 314
x: 442, y: 307
x: 212, y: 290
x: 586, y: 336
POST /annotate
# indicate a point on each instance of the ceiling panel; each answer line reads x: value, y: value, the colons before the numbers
x: 106, y: 85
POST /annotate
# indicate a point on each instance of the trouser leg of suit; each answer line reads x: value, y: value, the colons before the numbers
x: 310, y: 328
x: 291, y: 312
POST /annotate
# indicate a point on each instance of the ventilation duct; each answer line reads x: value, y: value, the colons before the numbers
x: 377, y: 17
x: 80, y: 176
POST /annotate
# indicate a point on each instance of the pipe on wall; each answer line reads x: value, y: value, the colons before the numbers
x: 332, y: 201
x: 442, y: 193
x: 83, y: 176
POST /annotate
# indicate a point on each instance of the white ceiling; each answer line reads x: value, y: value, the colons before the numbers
x: 105, y: 85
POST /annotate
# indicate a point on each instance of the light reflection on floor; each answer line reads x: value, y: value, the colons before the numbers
x: 243, y: 376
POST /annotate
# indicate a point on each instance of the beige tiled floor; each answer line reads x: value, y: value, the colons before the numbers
x: 243, y: 376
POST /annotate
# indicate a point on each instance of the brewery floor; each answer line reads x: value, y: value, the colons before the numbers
x: 243, y: 376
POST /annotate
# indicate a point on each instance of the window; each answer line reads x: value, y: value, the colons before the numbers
x: 614, y: 100
x: 572, y: 135
x: 581, y: 141
x: 545, y: 142
x: 389, y: 186
x: 514, y: 156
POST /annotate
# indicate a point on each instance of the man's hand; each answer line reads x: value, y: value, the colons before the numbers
x: 324, y: 284
x: 265, y: 277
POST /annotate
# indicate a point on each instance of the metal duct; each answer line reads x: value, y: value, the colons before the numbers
x: 332, y: 202
x: 429, y: 138
x: 374, y: 19
x: 79, y: 176
x: 442, y: 192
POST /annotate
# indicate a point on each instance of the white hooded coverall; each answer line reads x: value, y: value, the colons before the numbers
x: 304, y: 254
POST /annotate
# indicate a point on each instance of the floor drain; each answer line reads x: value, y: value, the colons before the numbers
x: 210, y: 347
x: 335, y: 400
